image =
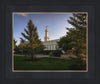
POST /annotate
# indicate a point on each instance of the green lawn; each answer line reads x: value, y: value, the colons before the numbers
x: 45, y: 64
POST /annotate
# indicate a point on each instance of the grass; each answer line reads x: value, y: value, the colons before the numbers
x: 43, y: 64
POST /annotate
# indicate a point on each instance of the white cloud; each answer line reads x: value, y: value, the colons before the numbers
x: 23, y: 14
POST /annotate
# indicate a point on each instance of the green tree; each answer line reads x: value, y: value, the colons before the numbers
x: 78, y: 32
x: 22, y: 45
x: 64, y: 43
x: 14, y: 43
x: 32, y: 37
x: 76, y: 36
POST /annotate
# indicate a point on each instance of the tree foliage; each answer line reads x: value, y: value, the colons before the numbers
x: 64, y: 43
x: 76, y: 36
x: 14, y: 43
x: 78, y: 33
x: 31, y: 33
x: 32, y: 37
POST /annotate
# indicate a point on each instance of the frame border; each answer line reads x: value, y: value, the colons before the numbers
x: 50, y: 70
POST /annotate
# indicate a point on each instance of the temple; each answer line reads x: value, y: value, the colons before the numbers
x: 49, y: 44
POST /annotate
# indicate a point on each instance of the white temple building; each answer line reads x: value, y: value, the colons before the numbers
x: 49, y: 44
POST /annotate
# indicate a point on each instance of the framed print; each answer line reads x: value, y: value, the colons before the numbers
x: 57, y: 49
x: 49, y: 42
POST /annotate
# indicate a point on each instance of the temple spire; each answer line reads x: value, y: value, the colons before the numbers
x: 46, y: 38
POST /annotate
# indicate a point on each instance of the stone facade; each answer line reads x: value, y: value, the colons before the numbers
x: 51, y: 44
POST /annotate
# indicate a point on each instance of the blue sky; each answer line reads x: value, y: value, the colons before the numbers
x: 57, y: 23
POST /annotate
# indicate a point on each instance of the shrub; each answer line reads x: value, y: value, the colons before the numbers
x: 51, y: 53
x: 46, y: 52
x: 56, y: 53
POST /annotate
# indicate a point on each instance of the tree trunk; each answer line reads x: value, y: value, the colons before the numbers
x: 31, y: 52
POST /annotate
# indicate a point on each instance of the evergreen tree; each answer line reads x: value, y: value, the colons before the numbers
x: 76, y: 36
x: 32, y: 36
x: 64, y: 43
x: 78, y: 32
